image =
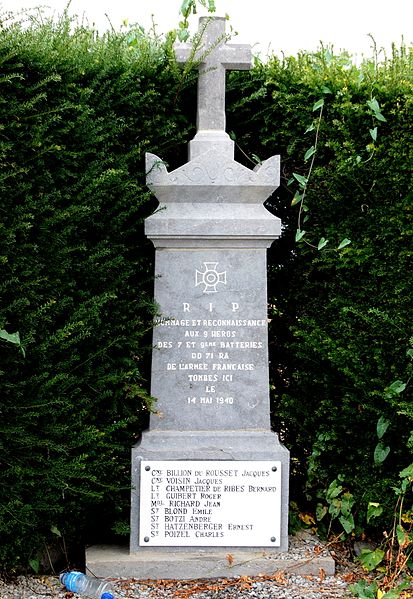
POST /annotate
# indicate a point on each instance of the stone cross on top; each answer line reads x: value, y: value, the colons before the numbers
x: 215, y: 57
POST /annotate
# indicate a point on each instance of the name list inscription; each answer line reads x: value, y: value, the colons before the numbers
x: 208, y: 356
x: 210, y: 503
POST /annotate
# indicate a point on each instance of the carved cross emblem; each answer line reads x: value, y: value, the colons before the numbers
x: 210, y: 277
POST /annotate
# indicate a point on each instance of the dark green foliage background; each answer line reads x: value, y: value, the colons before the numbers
x: 77, y: 114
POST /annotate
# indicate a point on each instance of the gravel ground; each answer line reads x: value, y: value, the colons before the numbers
x: 279, y: 586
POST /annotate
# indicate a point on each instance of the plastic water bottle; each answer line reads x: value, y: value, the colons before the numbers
x: 92, y: 587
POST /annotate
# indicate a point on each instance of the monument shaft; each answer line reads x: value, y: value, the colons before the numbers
x: 210, y: 352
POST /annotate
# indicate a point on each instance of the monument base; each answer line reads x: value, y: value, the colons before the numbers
x: 116, y: 562
x: 218, y: 447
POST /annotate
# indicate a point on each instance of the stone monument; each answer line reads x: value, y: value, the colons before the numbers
x: 209, y: 477
x: 210, y: 472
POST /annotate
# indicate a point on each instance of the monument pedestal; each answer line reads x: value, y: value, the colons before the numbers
x: 210, y: 445
x: 241, y: 476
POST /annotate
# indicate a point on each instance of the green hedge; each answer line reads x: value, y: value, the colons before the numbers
x: 78, y: 112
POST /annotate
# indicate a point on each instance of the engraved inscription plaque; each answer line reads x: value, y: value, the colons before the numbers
x: 207, y: 503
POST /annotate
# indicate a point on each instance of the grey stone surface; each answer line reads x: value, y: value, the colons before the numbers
x: 212, y: 226
x: 213, y: 177
x: 259, y: 445
x: 214, y: 57
x: 117, y: 562
x: 210, y: 356
x: 213, y: 202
